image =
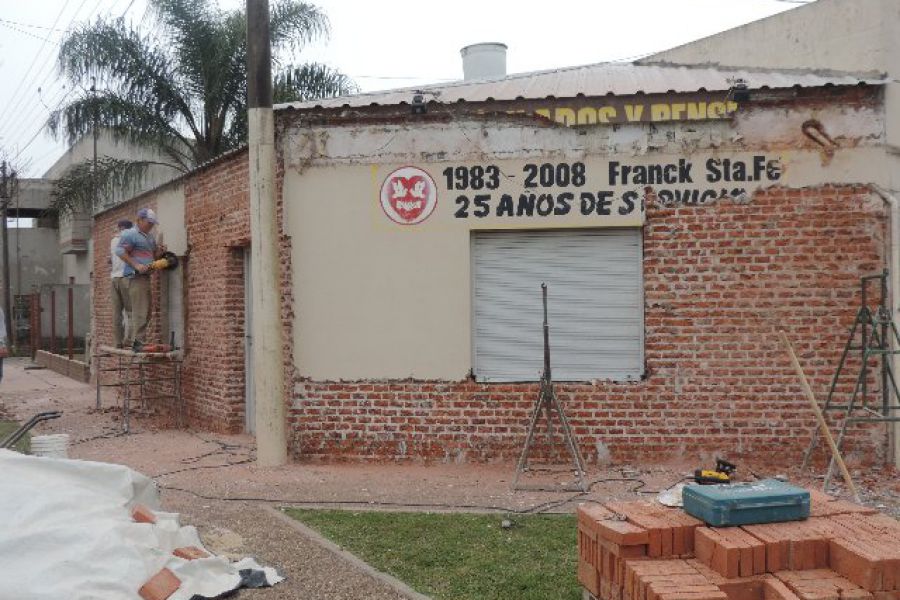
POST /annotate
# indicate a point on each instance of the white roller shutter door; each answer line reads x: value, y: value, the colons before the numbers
x: 595, y: 304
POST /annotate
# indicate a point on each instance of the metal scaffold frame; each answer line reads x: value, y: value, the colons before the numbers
x: 878, y: 339
x: 131, y: 370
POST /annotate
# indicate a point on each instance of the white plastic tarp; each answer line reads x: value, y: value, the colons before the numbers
x: 66, y: 532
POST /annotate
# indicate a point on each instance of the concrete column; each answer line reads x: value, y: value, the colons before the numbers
x: 268, y: 352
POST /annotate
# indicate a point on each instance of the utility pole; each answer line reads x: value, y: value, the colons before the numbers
x: 268, y: 352
x: 89, y: 347
x: 6, y: 184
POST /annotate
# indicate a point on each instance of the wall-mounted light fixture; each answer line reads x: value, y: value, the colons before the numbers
x: 740, y: 91
x: 418, y: 104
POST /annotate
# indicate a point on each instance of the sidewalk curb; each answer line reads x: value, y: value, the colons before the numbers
x: 389, y: 580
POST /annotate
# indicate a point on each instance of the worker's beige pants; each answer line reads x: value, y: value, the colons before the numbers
x: 139, y: 312
x: 120, y: 302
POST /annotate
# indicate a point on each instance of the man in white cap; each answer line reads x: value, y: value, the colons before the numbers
x: 138, y: 248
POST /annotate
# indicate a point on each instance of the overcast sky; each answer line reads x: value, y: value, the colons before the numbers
x: 382, y: 44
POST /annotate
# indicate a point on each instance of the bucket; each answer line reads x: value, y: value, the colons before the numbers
x: 50, y: 446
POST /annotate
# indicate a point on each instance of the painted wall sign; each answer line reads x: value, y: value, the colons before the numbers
x: 408, y: 195
x: 599, y: 189
x: 654, y: 111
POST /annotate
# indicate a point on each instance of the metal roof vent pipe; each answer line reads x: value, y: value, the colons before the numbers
x: 484, y: 60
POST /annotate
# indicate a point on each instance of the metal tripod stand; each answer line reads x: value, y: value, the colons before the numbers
x: 548, y: 403
x: 878, y: 335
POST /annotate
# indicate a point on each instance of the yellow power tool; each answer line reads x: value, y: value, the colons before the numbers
x: 168, y: 260
x: 721, y: 474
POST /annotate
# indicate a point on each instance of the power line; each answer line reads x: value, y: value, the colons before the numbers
x: 41, y: 128
x: 36, y: 56
x: 20, y: 24
x: 8, y: 25
x: 28, y: 117
x: 127, y: 8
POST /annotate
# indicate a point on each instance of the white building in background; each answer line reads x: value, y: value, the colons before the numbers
x: 842, y: 35
x: 47, y: 249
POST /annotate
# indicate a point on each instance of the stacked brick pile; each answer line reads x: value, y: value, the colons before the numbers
x: 645, y: 551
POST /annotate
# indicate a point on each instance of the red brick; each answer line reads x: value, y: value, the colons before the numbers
x: 160, y: 586
x: 853, y: 562
x: 704, y: 544
x: 623, y: 533
x: 589, y: 577
x: 190, y: 553
x: 142, y: 514
x: 774, y: 589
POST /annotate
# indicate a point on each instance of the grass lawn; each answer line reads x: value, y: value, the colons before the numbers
x: 6, y: 428
x: 460, y: 556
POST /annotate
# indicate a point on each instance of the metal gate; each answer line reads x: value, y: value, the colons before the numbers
x: 595, y: 303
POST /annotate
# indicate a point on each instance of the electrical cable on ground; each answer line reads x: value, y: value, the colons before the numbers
x: 225, y: 448
x: 246, y: 457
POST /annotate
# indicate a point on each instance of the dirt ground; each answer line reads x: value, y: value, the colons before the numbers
x: 213, y: 482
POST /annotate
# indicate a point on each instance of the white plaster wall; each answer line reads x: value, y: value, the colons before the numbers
x: 35, y: 266
x: 33, y: 194
x: 79, y: 266
x: 83, y: 150
x: 847, y: 35
x: 171, y: 230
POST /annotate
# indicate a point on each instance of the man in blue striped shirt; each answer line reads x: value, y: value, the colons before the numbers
x: 138, y: 248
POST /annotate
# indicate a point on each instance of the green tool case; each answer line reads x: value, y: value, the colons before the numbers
x: 765, y: 501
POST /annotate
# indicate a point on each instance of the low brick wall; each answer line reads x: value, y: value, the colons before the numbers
x: 76, y: 369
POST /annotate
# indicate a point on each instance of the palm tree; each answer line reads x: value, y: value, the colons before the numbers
x: 179, y: 90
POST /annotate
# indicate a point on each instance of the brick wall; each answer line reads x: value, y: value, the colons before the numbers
x: 218, y: 228
x: 719, y: 281
x: 217, y: 220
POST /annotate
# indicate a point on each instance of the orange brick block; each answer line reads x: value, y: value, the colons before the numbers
x: 670, y: 532
x: 823, y: 505
x: 590, y: 513
x: 796, y: 545
x: 638, y: 572
x: 142, y: 514
x: 774, y: 589
x: 822, y: 584
x: 622, y: 533
x: 588, y: 559
x: 190, y: 553
x: 745, y: 588
x: 858, y: 539
x: 730, y: 551
x: 160, y: 586
x: 588, y: 577
x: 853, y: 561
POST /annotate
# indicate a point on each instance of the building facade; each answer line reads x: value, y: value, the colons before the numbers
x: 678, y: 218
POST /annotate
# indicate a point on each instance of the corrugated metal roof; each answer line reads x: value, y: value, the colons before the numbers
x: 619, y: 79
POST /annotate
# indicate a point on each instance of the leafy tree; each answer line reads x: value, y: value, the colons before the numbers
x: 179, y: 89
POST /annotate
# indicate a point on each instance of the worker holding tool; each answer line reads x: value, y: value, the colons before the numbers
x: 138, y: 248
x: 119, y: 291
